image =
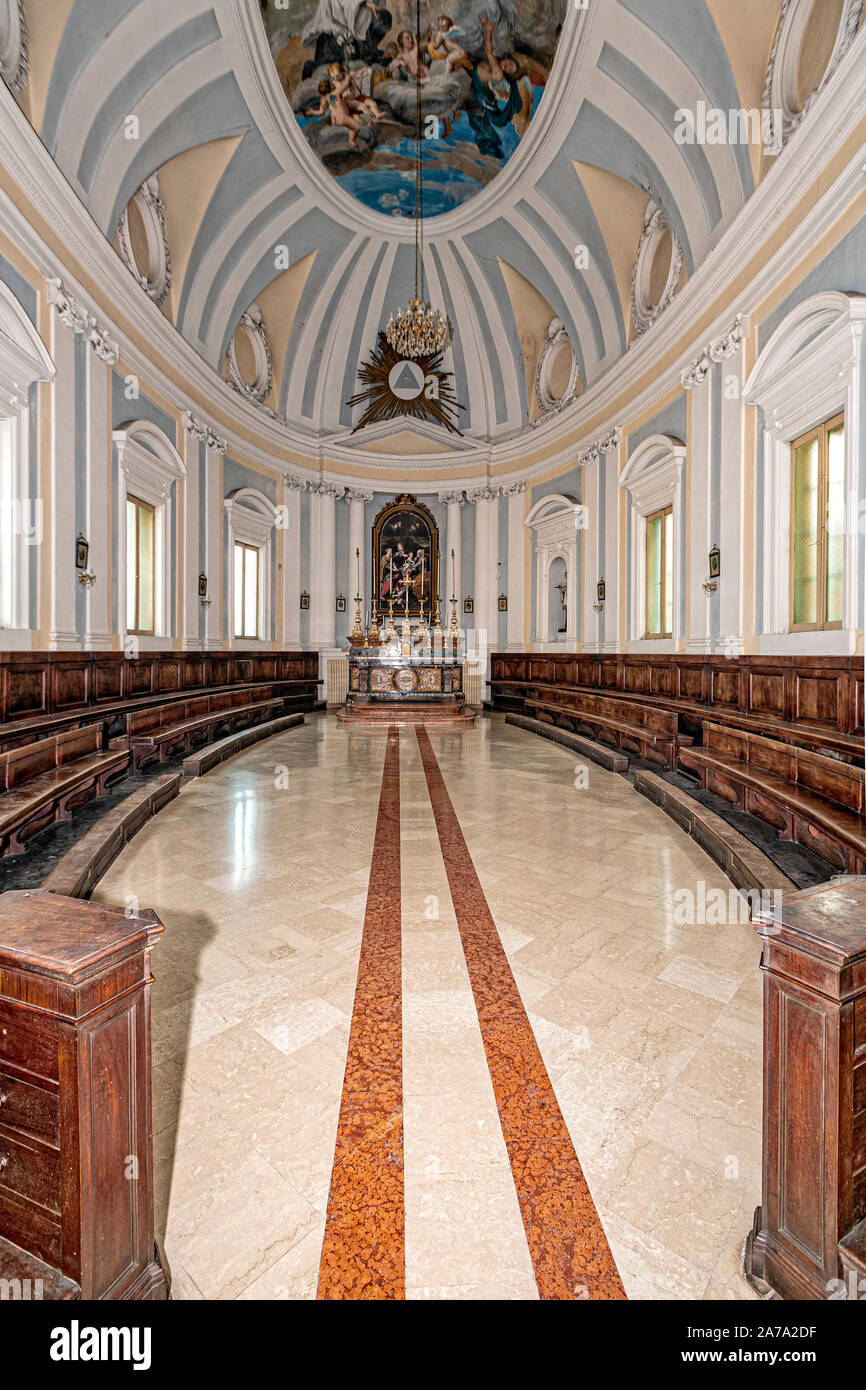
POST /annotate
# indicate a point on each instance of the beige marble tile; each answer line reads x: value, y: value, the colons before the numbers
x: 650, y: 1029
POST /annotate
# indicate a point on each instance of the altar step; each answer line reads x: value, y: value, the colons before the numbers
x: 406, y: 714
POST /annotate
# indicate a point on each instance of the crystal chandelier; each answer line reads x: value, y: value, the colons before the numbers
x: 418, y: 330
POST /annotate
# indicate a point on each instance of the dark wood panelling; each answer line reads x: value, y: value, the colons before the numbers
x: 817, y: 692
x: 814, y: 1154
x: 76, y: 1186
x: 35, y: 684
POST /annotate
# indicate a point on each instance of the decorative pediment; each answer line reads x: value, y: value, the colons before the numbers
x: 653, y: 471
x: 24, y: 357
x: 555, y: 519
x: 421, y: 431
x: 811, y: 350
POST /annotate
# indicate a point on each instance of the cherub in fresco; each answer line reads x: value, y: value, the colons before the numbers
x: 359, y: 101
x: 409, y: 61
x: 443, y: 42
x: 339, y: 104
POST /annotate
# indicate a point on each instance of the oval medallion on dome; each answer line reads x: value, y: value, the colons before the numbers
x: 350, y: 69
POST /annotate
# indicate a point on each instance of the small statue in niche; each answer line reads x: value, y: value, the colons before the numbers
x: 563, y: 590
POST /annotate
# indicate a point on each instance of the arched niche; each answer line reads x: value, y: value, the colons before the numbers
x: 809, y: 370
x: 555, y: 521
x: 148, y: 467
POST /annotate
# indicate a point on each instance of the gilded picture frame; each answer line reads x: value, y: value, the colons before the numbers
x: 405, y: 545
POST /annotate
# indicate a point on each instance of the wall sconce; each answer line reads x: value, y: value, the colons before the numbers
x: 599, y: 596
x: 503, y: 603
x: 305, y: 599
x: 202, y: 591
x: 715, y: 563
x: 82, y: 551
x: 341, y: 603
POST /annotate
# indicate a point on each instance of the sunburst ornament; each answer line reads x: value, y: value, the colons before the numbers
x: 397, y: 384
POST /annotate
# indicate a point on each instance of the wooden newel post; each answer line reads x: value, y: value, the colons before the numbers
x: 814, y: 1163
x: 76, y: 1163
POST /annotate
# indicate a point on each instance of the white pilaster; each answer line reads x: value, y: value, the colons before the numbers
x: 452, y: 585
x: 214, y: 540
x: 323, y: 544
x: 516, y: 565
x: 191, y: 524
x: 610, y: 616
x: 485, y: 573
x: 99, y: 623
x: 592, y: 573
x: 64, y: 583
x: 732, y: 514
x: 357, y: 498
x: 292, y: 487
x: 698, y: 521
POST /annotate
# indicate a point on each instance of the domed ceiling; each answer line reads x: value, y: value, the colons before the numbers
x: 482, y: 70
x: 564, y: 210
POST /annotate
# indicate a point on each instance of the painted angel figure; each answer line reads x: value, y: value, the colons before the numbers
x: 444, y: 42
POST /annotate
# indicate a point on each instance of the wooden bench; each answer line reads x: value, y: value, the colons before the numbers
x: 511, y: 696
x: 645, y: 730
x: 807, y: 796
x: 296, y: 694
x: 166, y: 730
x: 43, y: 782
x: 206, y: 759
x: 602, y: 754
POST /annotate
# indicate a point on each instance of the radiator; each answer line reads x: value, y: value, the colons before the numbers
x: 472, y: 683
x: 337, y: 682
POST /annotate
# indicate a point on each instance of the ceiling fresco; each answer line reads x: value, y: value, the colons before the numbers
x: 349, y: 71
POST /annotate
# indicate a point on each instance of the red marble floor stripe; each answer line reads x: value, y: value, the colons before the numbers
x: 363, y: 1254
x: 570, y: 1254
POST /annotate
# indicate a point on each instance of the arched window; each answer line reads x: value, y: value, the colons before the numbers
x: 24, y: 361
x: 149, y: 466
x: 807, y: 382
x: 654, y: 484
x: 251, y: 518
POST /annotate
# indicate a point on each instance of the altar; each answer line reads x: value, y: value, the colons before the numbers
x: 408, y: 689
x: 404, y: 667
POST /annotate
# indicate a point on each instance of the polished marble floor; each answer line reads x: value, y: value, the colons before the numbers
x: 648, y: 1029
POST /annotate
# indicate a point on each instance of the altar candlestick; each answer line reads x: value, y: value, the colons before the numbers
x: 358, y: 560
